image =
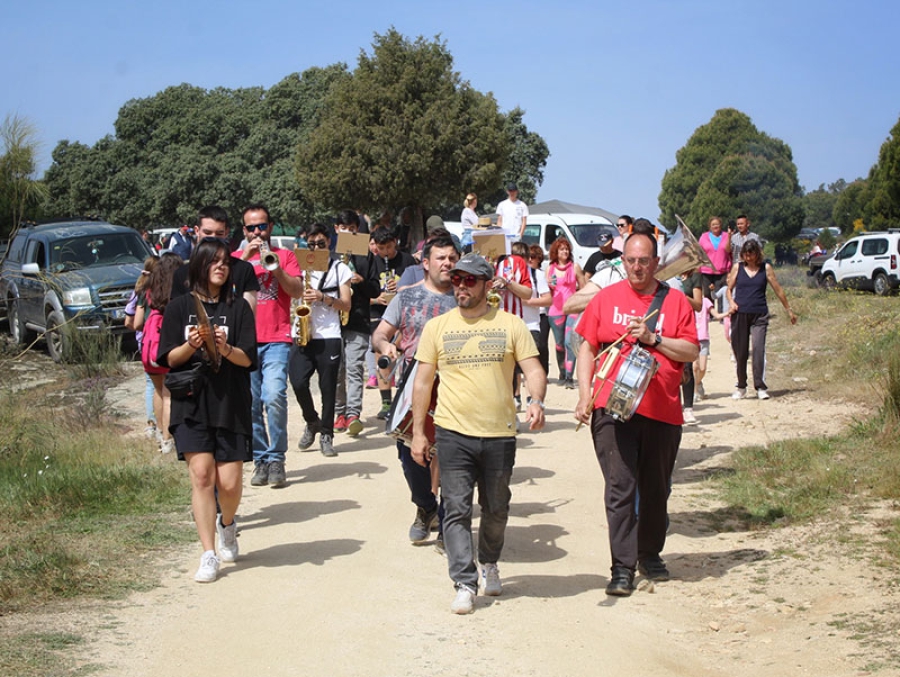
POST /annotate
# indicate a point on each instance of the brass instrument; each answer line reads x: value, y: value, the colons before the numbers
x: 681, y: 254
x: 301, y: 315
x: 345, y: 314
x: 494, y: 299
x: 267, y: 257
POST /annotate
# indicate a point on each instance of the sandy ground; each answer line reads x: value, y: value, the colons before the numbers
x: 328, y: 584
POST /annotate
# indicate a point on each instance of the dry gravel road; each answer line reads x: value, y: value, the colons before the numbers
x: 327, y: 583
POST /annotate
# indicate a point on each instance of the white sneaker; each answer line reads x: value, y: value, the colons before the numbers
x: 209, y: 568
x: 226, y: 540
x: 167, y: 446
x: 490, y: 576
x: 739, y: 394
x: 464, y: 602
x: 689, y: 418
x: 762, y: 394
x: 700, y: 392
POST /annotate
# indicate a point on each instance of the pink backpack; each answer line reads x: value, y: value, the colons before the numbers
x: 150, y: 344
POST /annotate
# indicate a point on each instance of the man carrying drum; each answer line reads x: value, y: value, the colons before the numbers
x: 637, y: 454
x: 407, y: 313
x: 474, y: 349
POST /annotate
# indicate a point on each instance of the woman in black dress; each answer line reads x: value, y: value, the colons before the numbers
x: 212, y: 426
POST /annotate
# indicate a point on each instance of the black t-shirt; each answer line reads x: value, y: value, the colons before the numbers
x: 243, y: 278
x: 224, y: 401
x: 363, y: 292
x: 397, y: 264
x: 590, y: 266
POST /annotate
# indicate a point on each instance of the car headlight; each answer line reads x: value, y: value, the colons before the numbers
x: 77, y: 297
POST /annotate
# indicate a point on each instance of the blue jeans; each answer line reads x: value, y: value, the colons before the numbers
x: 148, y: 398
x: 466, y: 462
x: 268, y: 387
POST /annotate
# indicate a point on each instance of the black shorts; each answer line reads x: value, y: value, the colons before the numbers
x: 223, y: 444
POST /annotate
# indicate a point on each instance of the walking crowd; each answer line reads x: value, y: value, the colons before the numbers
x: 450, y: 340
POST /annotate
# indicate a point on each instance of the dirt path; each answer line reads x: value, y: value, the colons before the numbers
x: 327, y: 583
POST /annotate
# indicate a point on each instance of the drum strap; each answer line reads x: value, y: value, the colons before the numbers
x: 655, y: 304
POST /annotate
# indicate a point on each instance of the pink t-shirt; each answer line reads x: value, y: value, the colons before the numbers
x: 563, y: 283
x: 273, y: 304
x: 702, y: 319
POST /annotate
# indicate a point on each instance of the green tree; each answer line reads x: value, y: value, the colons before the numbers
x: 729, y: 167
x: 19, y: 186
x: 883, y: 205
x: 527, y: 159
x: 403, y: 130
x: 818, y: 205
x: 850, y: 205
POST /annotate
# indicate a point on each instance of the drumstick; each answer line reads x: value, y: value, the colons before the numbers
x: 606, y: 350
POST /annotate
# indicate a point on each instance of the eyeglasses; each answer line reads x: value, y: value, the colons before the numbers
x: 643, y: 261
x: 317, y: 244
x: 250, y: 227
x: 469, y: 280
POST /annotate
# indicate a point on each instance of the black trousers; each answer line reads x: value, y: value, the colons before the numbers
x: 638, y: 454
x: 322, y: 356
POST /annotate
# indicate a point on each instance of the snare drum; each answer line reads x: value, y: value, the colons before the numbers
x: 631, y: 383
x: 399, y: 421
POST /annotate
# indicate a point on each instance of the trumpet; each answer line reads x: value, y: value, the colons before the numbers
x: 301, y: 315
x: 267, y: 257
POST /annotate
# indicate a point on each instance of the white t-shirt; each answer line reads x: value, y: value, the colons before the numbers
x: 531, y: 314
x: 512, y: 213
x: 325, y: 321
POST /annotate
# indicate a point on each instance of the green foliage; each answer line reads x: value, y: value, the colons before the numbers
x: 19, y: 189
x: 729, y: 167
x: 818, y: 205
x: 405, y: 129
x: 850, y: 205
x: 186, y: 147
x: 883, y: 204
x: 527, y: 159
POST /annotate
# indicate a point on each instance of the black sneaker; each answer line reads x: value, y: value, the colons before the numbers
x: 276, y: 474
x: 425, y: 521
x: 326, y: 446
x: 309, y: 435
x: 621, y: 583
x: 260, y: 475
x: 385, y: 410
x: 654, y: 569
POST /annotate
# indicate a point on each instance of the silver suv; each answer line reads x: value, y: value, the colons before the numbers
x: 868, y: 261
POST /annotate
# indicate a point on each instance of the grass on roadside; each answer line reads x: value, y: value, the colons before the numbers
x: 83, y: 511
x: 846, y: 346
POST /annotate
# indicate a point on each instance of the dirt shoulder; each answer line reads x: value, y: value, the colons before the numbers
x: 327, y: 582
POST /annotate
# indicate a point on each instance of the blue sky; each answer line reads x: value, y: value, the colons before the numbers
x: 615, y: 88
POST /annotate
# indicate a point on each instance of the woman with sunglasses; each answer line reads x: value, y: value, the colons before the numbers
x: 212, y: 427
x: 565, y: 277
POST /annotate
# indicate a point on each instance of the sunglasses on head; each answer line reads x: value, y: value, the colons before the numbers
x: 250, y: 227
x: 469, y: 280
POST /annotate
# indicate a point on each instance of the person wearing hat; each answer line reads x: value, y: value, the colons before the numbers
x: 511, y: 214
x: 474, y: 348
x: 606, y: 253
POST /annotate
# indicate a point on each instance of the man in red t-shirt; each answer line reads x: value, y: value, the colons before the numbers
x: 268, y: 384
x: 637, y: 456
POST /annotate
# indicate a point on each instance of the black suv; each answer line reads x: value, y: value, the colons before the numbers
x: 76, y: 274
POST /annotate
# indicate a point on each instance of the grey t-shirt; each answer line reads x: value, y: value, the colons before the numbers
x: 410, y: 309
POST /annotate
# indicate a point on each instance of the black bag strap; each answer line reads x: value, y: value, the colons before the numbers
x: 322, y: 280
x: 656, y: 304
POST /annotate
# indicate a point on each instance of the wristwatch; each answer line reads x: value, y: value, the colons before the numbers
x: 537, y: 402
x: 657, y: 340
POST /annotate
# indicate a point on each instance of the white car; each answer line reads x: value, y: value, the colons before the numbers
x: 581, y: 230
x: 867, y: 261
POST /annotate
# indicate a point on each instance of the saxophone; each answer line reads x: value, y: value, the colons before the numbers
x: 345, y: 314
x: 301, y: 315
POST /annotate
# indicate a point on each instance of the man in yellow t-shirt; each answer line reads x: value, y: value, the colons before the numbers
x: 474, y: 348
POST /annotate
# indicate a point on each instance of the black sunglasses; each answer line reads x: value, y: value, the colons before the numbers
x: 470, y: 280
x: 317, y: 244
x: 256, y: 226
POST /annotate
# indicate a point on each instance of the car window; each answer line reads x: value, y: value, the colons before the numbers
x: 97, y: 250
x: 531, y: 234
x: 34, y: 253
x: 848, y: 250
x: 16, y: 248
x: 586, y: 234
x: 874, y: 246
x: 553, y: 232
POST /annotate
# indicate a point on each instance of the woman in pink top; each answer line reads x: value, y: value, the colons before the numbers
x: 564, y: 277
x: 717, y: 245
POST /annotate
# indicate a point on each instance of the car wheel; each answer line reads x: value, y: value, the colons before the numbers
x: 828, y: 281
x: 58, y: 342
x: 817, y: 276
x: 881, y: 284
x: 20, y: 334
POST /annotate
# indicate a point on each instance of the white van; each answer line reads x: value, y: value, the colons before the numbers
x: 581, y: 230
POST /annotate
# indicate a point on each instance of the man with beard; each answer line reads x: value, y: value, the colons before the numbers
x: 407, y: 314
x: 474, y: 348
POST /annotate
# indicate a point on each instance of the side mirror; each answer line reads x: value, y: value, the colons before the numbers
x: 30, y: 269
